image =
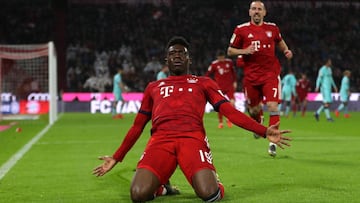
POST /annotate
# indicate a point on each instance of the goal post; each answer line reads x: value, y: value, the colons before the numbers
x: 28, y: 80
x: 53, y: 97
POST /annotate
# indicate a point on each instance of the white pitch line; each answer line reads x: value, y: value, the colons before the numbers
x: 16, y: 157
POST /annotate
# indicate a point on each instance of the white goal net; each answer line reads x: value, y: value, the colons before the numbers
x: 28, y: 81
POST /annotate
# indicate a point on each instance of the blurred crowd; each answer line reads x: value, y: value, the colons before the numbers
x: 100, y: 37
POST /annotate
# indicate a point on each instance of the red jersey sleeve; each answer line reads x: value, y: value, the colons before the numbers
x: 147, y: 101
x: 132, y: 136
x: 214, y: 94
x: 278, y: 36
x: 236, y: 41
x: 141, y: 119
x: 209, y: 71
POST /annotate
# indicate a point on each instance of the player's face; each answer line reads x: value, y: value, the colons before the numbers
x: 329, y: 63
x: 178, y: 60
x: 257, y: 12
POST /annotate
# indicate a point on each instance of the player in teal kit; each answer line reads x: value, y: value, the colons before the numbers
x: 344, y: 95
x: 118, y: 88
x: 325, y: 83
x: 288, y: 91
x: 163, y: 73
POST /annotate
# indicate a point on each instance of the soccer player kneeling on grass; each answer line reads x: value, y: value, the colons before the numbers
x: 176, y: 106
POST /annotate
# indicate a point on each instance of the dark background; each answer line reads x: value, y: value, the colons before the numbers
x: 87, y: 30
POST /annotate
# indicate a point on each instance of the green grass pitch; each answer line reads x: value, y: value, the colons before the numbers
x: 322, y: 165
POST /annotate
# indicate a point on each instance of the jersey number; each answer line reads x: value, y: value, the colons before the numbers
x: 205, y: 156
x: 275, y: 91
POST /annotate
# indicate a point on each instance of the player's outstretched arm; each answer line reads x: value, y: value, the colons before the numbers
x: 105, y: 167
x: 274, y: 135
x: 130, y: 139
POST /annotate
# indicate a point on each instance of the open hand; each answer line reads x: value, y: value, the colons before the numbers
x: 274, y: 135
x: 107, y: 165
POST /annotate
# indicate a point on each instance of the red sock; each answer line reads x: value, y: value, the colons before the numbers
x: 274, y: 118
x: 303, y: 111
x: 220, y: 116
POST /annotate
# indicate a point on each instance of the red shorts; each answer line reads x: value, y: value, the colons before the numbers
x: 268, y: 91
x: 302, y: 97
x: 164, y: 152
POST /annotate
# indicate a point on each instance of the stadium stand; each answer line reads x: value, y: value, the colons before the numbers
x: 100, y: 35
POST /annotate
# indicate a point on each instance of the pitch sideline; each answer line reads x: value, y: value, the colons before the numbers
x: 18, y: 155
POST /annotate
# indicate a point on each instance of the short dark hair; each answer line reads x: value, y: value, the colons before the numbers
x: 220, y: 53
x: 178, y: 40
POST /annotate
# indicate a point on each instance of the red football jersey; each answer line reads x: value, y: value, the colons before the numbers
x: 263, y: 64
x: 224, y: 74
x: 302, y: 88
x: 176, y: 106
x: 182, y: 100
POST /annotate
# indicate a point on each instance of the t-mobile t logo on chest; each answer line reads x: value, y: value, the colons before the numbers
x: 166, y: 90
x: 256, y: 44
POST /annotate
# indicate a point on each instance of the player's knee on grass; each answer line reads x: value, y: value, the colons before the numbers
x: 141, y: 194
x: 143, y: 186
x: 206, y: 186
x: 214, y: 197
x: 209, y: 194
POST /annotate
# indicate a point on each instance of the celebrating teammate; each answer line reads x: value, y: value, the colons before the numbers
x: 176, y: 106
x: 302, y: 89
x: 256, y: 41
x: 224, y: 74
